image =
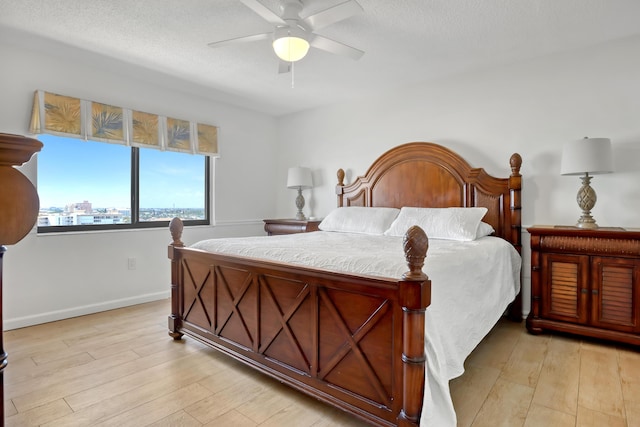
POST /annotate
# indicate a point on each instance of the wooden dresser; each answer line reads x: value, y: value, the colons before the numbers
x: 19, y: 205
x: 290, y: 226
x: 586, y: 282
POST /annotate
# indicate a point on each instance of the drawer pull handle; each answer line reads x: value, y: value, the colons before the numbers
x: 585, y: 291
x: 594, y: 292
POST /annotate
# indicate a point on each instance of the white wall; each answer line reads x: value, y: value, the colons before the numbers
x: 532, y: 108
x: 49, y: 277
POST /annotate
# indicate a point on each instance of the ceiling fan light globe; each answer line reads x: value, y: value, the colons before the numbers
x: 290, y: 48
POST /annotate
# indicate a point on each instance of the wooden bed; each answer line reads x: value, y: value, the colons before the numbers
x: 356, y: 343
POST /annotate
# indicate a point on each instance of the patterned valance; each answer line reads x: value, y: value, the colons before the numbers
x: 78, y: 118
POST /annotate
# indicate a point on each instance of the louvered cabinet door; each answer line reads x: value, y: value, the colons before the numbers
x: 564, y: 285
x: 586, y: 282
x: 615, y: 293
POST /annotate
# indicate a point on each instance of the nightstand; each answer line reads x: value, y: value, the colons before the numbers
x: 586, y: 282
x: 290, y: 226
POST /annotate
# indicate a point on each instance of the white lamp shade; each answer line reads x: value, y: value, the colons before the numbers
x: 588, y: 155
x: 299, y: 177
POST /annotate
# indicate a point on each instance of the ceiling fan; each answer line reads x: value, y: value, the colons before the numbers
x: 292, y: 35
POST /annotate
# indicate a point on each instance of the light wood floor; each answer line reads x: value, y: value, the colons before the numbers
x: 92, y: 370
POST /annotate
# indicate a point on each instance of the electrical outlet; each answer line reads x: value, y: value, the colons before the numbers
x: 131, y: 263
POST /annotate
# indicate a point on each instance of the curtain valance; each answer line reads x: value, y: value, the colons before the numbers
x: 78, y: 118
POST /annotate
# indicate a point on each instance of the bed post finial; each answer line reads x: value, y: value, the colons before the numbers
x: 516, y: 162
x: 415, y: 244
x: 175, y: 227
x: 340, y: 177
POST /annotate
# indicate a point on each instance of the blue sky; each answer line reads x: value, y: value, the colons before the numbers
x: 72, y: 170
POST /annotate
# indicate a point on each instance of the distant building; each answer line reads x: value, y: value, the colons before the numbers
x: 82, y: 214
x: 84, y: 207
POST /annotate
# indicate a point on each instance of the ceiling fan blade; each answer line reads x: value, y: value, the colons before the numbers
x: 238, y: 40
x: 262, y: 10
x: 335, y: 47
x: 284, y: 67
x: 333, y: 14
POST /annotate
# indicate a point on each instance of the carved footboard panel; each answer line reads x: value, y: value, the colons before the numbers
x: 336, y: 337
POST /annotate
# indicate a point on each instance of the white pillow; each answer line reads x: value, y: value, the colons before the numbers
x: 484, y: 229
x: 439, y: 223
x: 356, y: 219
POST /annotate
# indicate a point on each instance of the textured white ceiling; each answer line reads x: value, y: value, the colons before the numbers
x: 406, y: 41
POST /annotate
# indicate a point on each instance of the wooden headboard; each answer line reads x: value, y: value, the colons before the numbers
x: 424, y: 174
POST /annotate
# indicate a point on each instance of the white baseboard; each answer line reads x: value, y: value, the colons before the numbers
x: 52, y: 316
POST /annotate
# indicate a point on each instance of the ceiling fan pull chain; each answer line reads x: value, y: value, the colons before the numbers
x: 292, y: 75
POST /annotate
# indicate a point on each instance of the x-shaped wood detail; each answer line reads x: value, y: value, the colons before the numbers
x: 223, y: 284
x: 197, y: 297
x: 284, y: 319
x: 351, y: 343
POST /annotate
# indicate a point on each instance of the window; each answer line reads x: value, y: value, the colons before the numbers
x: 88, y: 185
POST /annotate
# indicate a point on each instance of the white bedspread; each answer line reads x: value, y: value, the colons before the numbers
x: 472, y: 284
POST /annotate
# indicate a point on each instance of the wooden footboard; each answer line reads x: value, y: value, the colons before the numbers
x: 354, y: 342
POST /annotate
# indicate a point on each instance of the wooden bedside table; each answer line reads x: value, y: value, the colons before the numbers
x: 586, y: 282
x: 290, y: 226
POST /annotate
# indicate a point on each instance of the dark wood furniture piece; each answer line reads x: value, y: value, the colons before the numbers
x: 289, y: 226
x: 19, y: 205
x: 586, y: 282
x: 354, y: 342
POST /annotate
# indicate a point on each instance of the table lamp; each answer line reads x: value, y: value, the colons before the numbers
x: 299, y: 178
x: 586, y: 157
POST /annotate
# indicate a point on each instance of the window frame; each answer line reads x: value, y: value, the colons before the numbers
x: 135, y: 223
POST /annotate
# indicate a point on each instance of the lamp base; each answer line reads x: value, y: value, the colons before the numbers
x: 588, y: 223
x: 586, y: 199
x: 300, y: 205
